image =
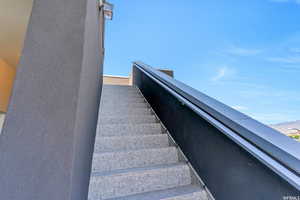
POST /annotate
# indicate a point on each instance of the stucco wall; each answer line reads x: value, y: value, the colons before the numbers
x: 7, y: 77
x: 47, y: 143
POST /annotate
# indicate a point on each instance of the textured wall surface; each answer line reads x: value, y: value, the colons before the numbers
x: 47, y: 141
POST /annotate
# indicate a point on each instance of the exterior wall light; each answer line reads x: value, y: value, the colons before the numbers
x: 107, y: 8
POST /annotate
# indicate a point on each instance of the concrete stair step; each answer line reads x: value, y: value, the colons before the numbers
x: 138, y: 180
x: 123, y: 87
x: 115, y: 87
x: 137, y: 119
x: 126, y: 111
x: 190, y: 192
x: 125, y: 118
x: 128, y: 129
x: 122, y: 97
x: 105, y: 97
x: 119, y: 95
x: 122, y: 100
x: 124, y: 105
x: 104, y: 162
x: 106, y: 144
x: 118, y: 90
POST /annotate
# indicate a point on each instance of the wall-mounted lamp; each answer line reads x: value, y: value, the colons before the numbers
x: 107, y: 8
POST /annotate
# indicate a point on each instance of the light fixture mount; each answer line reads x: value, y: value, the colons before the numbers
x: 107, y: 9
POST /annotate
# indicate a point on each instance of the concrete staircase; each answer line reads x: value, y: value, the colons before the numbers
x: 133, y: 157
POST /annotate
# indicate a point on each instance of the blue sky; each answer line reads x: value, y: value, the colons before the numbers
x: 243, y: 53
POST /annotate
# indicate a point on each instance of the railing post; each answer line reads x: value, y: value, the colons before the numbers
x: 47, y: 141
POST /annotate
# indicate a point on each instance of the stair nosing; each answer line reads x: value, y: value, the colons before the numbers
x: 133, y: 150
x: 150, y: 123
x: 194, y: 189
x: 120, y: 172
x: 133, y: 136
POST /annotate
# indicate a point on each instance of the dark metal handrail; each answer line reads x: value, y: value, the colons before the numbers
x: 281, y: 150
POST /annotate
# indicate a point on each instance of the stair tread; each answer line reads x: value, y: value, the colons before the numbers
x: 109, y: 161
x: 132, y: 125
x: 122, y: 105
x: 184, y: 192
x: 107, y: 144
x: 134, y: 136
x: 139, y: 169
x: 135, y: 150
x: 131, y: 116
x: 124, y: 101
x: 133, y: 97
x: 108, y: 86
x: 111, y: 130
x: 127, y: 182
x: 126, y: 112
x: 131, y: 119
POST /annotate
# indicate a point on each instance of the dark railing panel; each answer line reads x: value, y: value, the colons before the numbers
x: 227, y: 163
x: 275, y: 144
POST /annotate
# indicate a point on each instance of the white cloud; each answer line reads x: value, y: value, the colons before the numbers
x: 287, y: 60
x: 291, y: 67
x: 238, y: 51
x: 222, y: 73
x: 240, y: 108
